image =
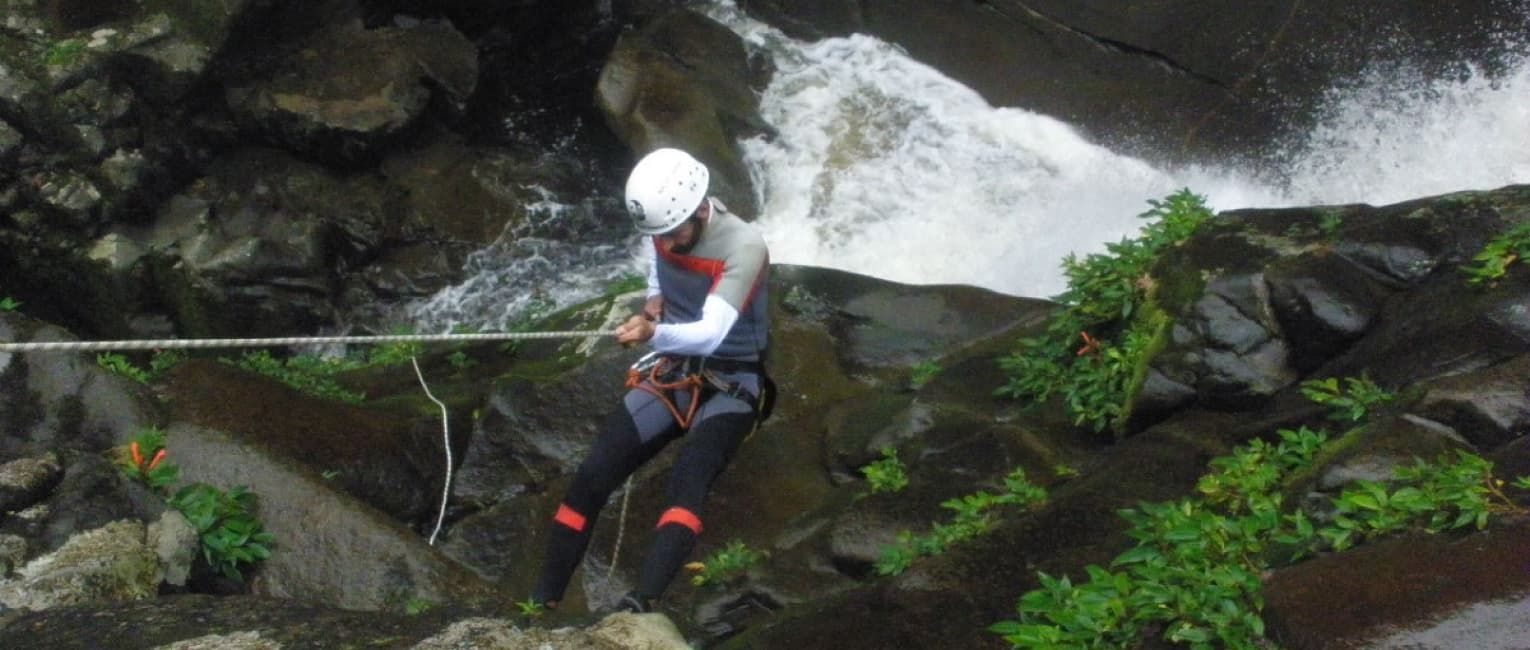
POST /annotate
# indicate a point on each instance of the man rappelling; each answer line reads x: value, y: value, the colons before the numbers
x: 706, y: 319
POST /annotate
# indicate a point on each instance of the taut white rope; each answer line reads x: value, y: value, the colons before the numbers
x: 169, y: 344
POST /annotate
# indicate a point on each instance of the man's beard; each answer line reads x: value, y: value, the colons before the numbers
x: 696, y: 232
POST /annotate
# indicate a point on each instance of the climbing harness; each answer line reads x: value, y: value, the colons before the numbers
x: 167, y: 344
x: 648, y: 375
x: 656, y: 367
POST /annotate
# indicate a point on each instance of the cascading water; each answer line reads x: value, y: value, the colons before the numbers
x: 885, y: 167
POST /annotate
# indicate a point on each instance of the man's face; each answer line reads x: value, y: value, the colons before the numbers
x: 685, y: 235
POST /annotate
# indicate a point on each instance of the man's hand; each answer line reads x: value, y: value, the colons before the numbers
x: 654, y: 307
x: 636, y: 330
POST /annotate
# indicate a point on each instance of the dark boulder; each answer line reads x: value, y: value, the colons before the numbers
x: 1434, y: 591
x: 351, y: 91
x: 1261, y: 298
x: 683, y: 80
x: 26, y: 481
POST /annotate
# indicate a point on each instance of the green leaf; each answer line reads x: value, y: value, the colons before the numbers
x: 1363, y: 501
x: 1138, y: 554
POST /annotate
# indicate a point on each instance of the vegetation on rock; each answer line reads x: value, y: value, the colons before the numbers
x: 1196, y: 572
x: 1091, y: 355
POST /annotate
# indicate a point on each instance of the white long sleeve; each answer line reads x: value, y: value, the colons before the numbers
x: 699, y: 338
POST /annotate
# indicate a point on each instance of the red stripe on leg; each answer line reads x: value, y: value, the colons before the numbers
x: 568, y: 517
x: 681, y: 516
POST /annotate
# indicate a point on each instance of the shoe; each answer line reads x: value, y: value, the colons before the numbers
x: 634, y: 603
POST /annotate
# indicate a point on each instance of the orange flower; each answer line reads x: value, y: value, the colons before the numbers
x: 1091, y: 344
x: 137, y: 455
x: 157, y: 457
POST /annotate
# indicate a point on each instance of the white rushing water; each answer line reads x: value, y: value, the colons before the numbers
x: 883, y: 166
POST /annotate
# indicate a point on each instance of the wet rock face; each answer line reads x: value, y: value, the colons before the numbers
x: 61, y: 401
x: 1261, y: 298
x: 1428, y: 591
x: 349, y: 92
x: 257, y: 245
x: 249, y: 622
x: 109, y: 564
x: 1228, y: 346
x: 683, y: 81
x: 1490, y: 407
x: 95, y: 90
x: 1326, y: 302
x: 80, y: 14
x: 26, y: 481
x: 91, y: 494
x: 122, y: 114
x: 333, y: 547
x: 377, y: 457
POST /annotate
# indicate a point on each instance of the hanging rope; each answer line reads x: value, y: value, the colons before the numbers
x: 621, y: 527
x: 446, y: 443
x: 172, y: 344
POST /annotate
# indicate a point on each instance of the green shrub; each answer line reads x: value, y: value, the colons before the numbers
x: 64, y: 52
x: 974, y: 516
x: 531, y: 608
x: 1427, y: 497
x: 923, y: 372
x: 384, y: 356
x: 232, y: 537
x: 460, y: 360
x: 1092, y: 351
x: 309, y: 375
x: 726, y: 565
x: 1351, y: 401
x: 1492, y: 262
x: 160, y: 363
x: 8, y: 303
x: 143, y: 459
x: 164, y: 360
x: 887, y: 474
x: 1194, y: 575
x: 120, y: 364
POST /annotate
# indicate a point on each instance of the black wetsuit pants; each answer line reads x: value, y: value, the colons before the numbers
x: 631, y: 436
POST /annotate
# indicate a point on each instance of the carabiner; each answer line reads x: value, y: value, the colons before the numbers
x: 647, y: 362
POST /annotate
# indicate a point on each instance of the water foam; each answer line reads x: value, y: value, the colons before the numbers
x: 883, y: 166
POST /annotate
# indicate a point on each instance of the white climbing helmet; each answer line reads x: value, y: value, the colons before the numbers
x: 663, y: 190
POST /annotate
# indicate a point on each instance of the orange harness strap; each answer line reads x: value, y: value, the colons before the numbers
x: 661, y: 390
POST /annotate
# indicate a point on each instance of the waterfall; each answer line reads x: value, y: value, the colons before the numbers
x: 883, y: 166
